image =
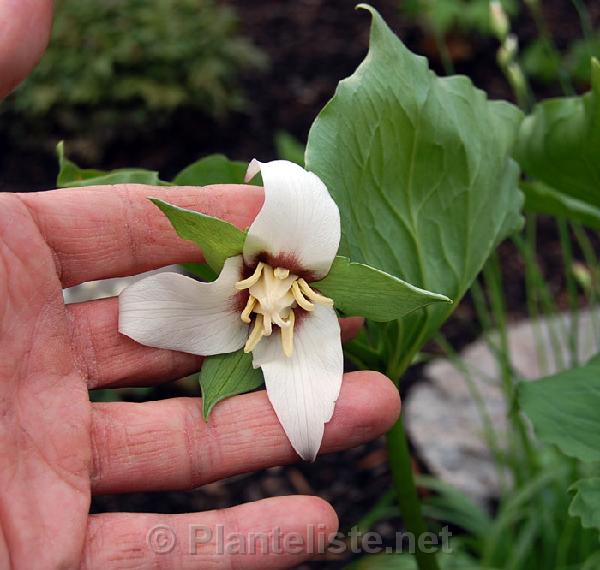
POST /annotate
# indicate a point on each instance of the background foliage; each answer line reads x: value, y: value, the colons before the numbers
x: 444, y: 16
x: 133, y: 63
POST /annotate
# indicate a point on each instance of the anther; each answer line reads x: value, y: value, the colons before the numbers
x: 245, y: 316
x: 267, y: 325
x: 300, y: 299
x: 247, y: 283
x: 255, y: 335
x: 313, y: 295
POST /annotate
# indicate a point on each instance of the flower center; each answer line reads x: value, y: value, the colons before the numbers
x: 274, y: 294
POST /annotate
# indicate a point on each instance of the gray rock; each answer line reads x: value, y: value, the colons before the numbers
x: 104, y: 288
x: 444, y: 416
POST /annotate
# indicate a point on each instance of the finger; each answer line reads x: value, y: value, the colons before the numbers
x: 109, y: 359
x: 167, y: 444
x: 280, y: 532
x: 98, y: 232
x: 350, y: 327
x: 24, y: 33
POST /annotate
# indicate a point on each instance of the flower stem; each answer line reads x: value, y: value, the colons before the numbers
x: 406, y: 492
x: 400, y: 461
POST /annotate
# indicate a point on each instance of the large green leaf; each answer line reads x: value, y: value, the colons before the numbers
x: 360, y: 290
x: 542, y: 199
x: 213, y: 169
x: 565, y: 410
x: 559, y: 143
x: 70, y: 175
x: 226, y: 375
x: 586, y: 502
x: 420, y: 168
x: 217, y: 239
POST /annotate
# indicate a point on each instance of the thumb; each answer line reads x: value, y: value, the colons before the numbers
x: 24, y: 33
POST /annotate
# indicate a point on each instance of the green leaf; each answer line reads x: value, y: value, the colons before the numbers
x: 420, y: 168
x: 360, y: 290
x: 541, y: 199
x: 217, y: 239
x: 453, y: 506
x: 586, y: 502
x: 559, y: 143
x: 226, y: 375
x: 578, y: 55
x: 565, y: 410
x: 542, y: 61
x: 213, y: 169
x: 289, y: 148
x: 70, y: 175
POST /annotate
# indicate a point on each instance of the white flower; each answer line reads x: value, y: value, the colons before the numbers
x: 262, y: 301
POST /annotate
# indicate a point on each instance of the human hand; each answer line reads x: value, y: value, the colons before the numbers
x: 24, y: 32
x: 58, y: 448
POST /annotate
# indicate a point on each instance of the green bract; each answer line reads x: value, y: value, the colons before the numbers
x: 226, y: 375
x: 421, y: 171
x: 360, y: 290
x: 218, y: 239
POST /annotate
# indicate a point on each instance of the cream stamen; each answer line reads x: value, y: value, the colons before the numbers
x: 255, y: 335
x: 245, y: 316
x: 313, y: 295
x: 267, y: 325
x: 300, y: 299
x: 273, y: 294
x: 247, y: 283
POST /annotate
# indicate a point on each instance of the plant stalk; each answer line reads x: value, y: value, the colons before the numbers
x: 566, y: 246
x: 585, y: 20
x: 406, y: 491
x: 440, y: 40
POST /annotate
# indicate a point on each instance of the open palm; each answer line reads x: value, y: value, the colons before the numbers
x: 57, y: 448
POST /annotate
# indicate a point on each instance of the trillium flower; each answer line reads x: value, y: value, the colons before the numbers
x: 271, y: 298
x: 262, y: 302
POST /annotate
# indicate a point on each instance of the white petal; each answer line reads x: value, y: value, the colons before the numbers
x: 303, y: 389
x: 176, y: 312
x: 299, y: 223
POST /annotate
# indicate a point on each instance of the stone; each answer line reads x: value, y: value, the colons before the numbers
x: 104, y: 288
x: 444, y: 413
